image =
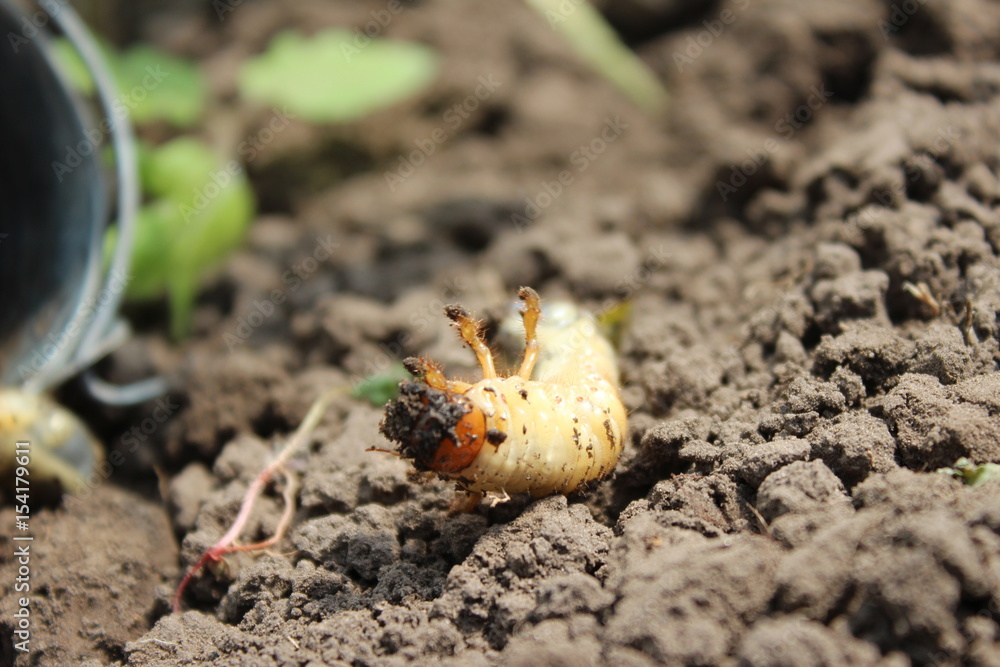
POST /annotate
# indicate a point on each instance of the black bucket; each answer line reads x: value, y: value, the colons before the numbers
x: 60, y: 296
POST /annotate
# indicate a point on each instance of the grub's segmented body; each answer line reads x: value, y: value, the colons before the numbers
x: 62, y: 449
x: 555, y: 434
x: 558, y: 438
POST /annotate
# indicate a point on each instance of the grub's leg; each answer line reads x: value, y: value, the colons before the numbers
x: 530, y: 314
x: 472, y: 333
x: 433, y: 375
x: 464, y: 501
x: 428, y: 370
x: 498, y: 498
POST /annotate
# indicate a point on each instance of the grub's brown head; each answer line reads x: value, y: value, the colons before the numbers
x: 438, y: 429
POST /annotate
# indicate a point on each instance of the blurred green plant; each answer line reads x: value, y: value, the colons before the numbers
x: 333, y: 76
x: 152, y: 85
x: 972, y: 474
x: 614, y: 320
x: 382, y: 388
x: 197, y: 207
x: 596, y: 42
x: 197, y: 212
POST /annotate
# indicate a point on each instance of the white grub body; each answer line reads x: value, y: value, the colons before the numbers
x: 557, y: 433
x: 61, y: 448
x: 558, y: 439
x: 564, y: 430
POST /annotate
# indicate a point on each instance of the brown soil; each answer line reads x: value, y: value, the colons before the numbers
x: 790, y: 395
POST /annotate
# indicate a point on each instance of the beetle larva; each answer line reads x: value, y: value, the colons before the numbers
x: 62, y: 449
x: 554, y: 434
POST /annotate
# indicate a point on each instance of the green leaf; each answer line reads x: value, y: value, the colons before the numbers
x: 972, y: 474
x: 335, y: 76
x: 614, y: 320
x: 382, y: 388
x: 156, y: 224
x: 597, y: 43
x: 199, y: 213
x: 177, y: 168
x: 72, y: 66
x: 152, y: 85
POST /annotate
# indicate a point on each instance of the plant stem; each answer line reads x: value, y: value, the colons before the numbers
x: 596, y: 42
x: 277, y: 466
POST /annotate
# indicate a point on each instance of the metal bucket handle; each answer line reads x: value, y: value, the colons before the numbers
x: 105, y: 331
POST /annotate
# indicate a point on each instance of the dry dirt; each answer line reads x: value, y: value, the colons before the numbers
x: 790, y: 393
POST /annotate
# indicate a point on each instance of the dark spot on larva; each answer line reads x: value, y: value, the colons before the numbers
x: 590, y: 449
x: 524, y: 393
x: 490, y: 389
x: 576, y: 436
x: 495, y: 436
x: 576, y: 420
x: 609, y: 432
x: 524, y: 429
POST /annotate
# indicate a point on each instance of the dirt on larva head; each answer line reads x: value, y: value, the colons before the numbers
x: 439, y: 430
